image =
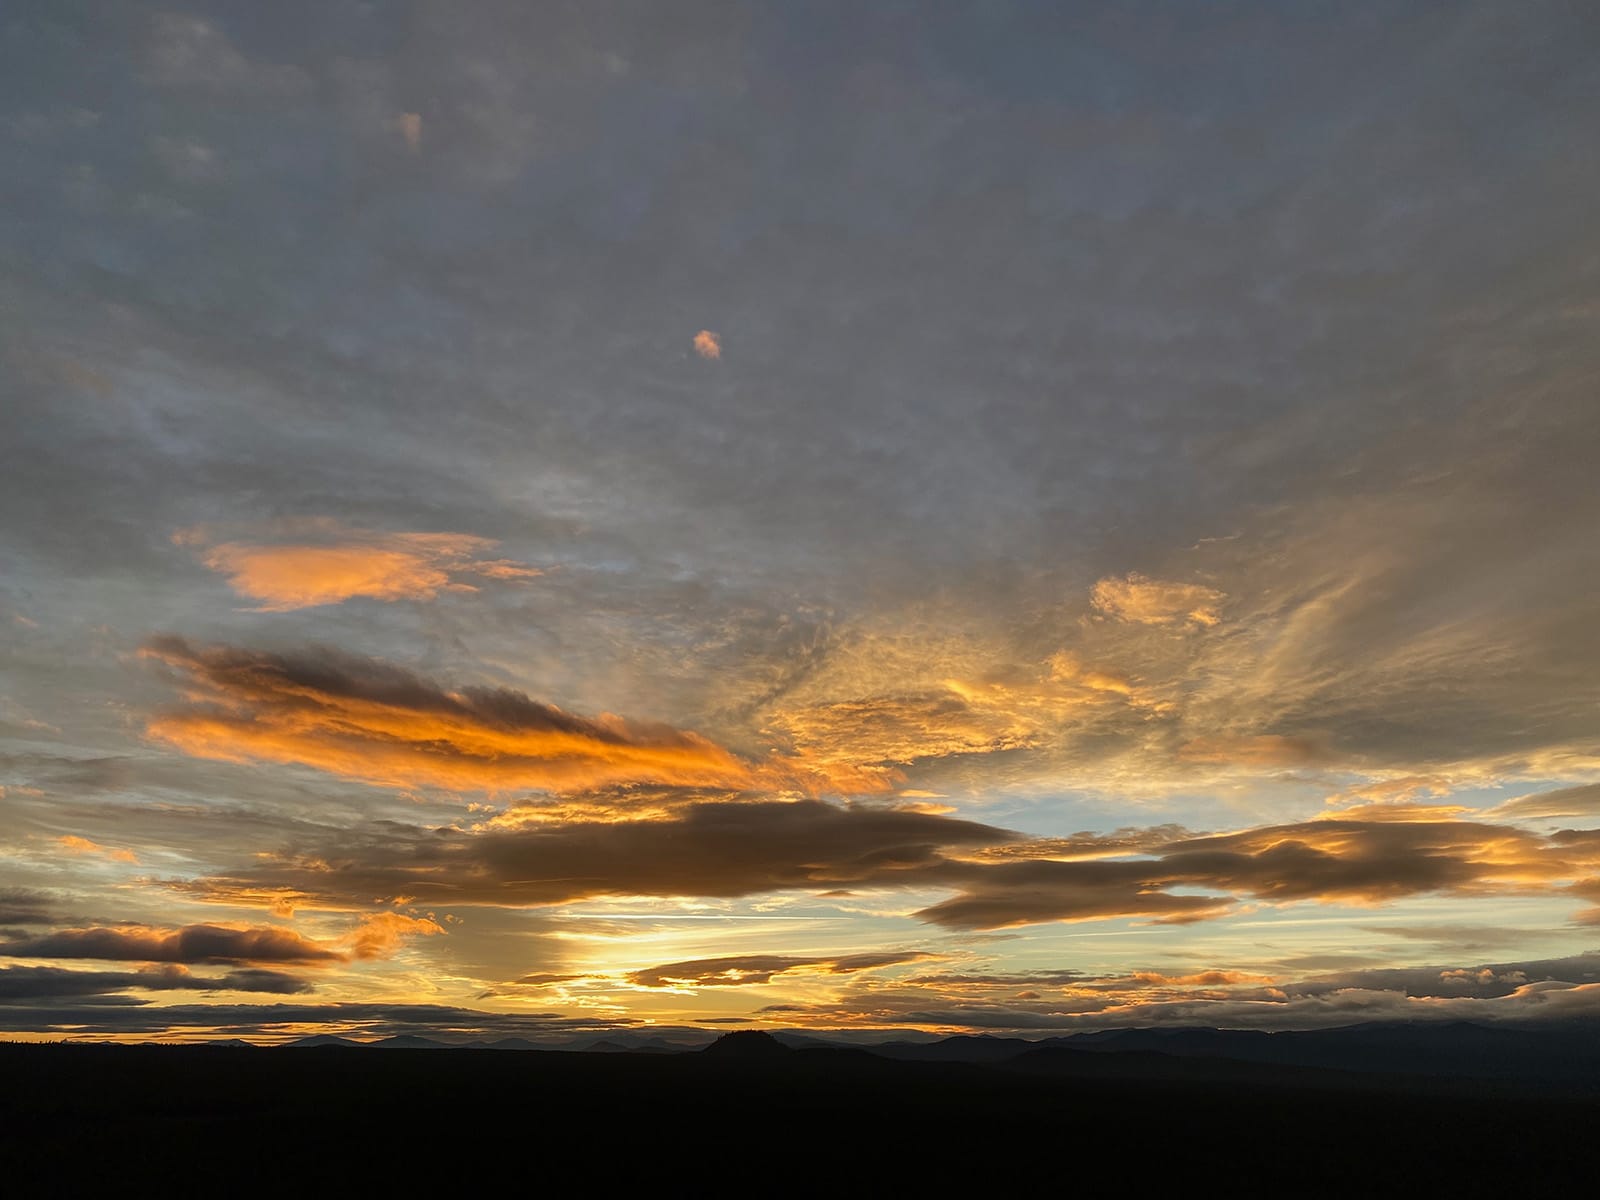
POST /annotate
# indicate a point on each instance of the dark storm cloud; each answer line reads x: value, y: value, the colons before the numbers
x: 30, y: 985
x: 191, y: 944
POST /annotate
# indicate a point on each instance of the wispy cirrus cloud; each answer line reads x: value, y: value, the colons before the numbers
x: 881, y: 698
x: 74, y: 844
x: 315, y: 561
x: 1144, y: 601
x: 1567, y: 803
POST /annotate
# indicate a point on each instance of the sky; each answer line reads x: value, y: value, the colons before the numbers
x: 555, y: 519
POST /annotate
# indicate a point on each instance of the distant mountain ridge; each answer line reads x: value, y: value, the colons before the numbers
x: 1557, y: 1052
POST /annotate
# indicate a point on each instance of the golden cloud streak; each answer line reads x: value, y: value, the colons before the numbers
x: 315, y: 562
x: 1145, y: 601
x: 82, y: 845
x: 372, y: 722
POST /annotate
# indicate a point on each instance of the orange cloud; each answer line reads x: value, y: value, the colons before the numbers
x: 1255, y: 750
x: 1146, y: 601
x: 81, y: 845
x: 708, y: 344
x: 315, y: 562
x: 739, y: 970
x: 955, y: 715
x: 410, y: 126
x: 369, y: 721
x: 1211, y: 978
x: 381, y: 934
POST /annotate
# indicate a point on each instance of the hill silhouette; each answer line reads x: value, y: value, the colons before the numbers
x: 747, y: 1044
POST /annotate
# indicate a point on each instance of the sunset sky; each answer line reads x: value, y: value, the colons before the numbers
x: 539, y: 519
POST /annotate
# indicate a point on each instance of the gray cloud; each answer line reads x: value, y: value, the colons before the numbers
x: 284, y: 1020
x: 704, y: 848
x: 741, y: 848
x: 1549, y: 989
x: 1484, y: 981
x: 191, y: 944
x: 23, y: 906
x: 1556, y: 804
x: 31, y: 985
x: 1353, y: 860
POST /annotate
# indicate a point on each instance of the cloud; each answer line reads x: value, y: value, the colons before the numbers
x: 738, y: 970
x: 28, y: 985
x: 370, y: 721
x: 80, y: 845
x: 1349, y: 861
x: 708, y: 344
x: 190, y: 944
x: 1218, y: 998
x: 189, y: 52
x: 284, y: 1021
x: 380, y: 934
x: 23, y: 906
x: 1252, y: 750
x: 410, y: 126
x: 316, y: 562
x: 703, y: 848
x: 998, y: 879
x: 1558, y: 804
x: 1025, y: 893
x: 1456, y: 936
x: 1145, y: 601
x: 1120, y: 843
x: 900, y: 700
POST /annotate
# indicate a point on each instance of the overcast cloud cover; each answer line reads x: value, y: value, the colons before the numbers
x: 533, y: 517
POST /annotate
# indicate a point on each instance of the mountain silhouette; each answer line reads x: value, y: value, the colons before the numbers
x: 747, y: 1044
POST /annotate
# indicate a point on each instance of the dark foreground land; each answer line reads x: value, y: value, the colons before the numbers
x: 758, y: 1118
